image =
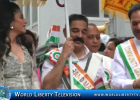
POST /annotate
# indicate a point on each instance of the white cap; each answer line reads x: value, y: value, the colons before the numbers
x: 104, y: 38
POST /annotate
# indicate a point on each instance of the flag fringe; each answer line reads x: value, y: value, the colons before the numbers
x: 117, y: 14
x: 35, y: 3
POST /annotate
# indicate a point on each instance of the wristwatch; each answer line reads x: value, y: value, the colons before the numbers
x: 134, y: 84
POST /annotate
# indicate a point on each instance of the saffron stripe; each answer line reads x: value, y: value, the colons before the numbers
x: 56, y: 28
x: 135, y: 49
x: 85, y: 74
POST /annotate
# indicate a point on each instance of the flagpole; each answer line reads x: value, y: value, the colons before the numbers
x: 68, y: 35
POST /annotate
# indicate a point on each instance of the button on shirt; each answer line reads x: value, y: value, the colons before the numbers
x: 48, y: 66
x: 121, y: 79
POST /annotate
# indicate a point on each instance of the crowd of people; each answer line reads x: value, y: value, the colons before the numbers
x: 95, y: 65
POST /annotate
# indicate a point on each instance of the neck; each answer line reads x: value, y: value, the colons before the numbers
x: 12, y: 36
x: 79, y: 51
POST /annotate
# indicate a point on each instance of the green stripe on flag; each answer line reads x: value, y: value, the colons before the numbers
x: 126, y: 62
x: 52, y: 39
x: 47, y: 42
x: 101, y: 88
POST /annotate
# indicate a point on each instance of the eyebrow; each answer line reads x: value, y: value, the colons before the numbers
x: 74, y: 28
x: 85, y: 29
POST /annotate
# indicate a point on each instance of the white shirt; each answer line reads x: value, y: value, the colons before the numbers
x: 48, y: 66
x: 121, y: 78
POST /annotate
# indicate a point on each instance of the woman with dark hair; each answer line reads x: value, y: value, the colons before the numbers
x: 17, y: 69
x: 110, y: 47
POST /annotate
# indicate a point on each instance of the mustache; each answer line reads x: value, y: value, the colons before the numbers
x: 78, y: 39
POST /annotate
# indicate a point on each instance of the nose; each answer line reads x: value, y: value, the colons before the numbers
x: 80, y: 34
x: 25, y: 21
x: 94, y: 40
x: 139, y: 26
x: 105, y: 51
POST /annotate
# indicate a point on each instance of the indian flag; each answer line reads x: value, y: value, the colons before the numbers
x: 99, y: 84
x: 54, y: 35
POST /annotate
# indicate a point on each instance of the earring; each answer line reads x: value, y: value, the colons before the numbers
x: 11, y: 27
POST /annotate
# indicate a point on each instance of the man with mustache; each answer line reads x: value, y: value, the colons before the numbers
x: 55, y: 70
x: 126, y: 63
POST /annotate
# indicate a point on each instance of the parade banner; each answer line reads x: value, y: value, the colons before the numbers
x: 118, y: 8
x: 28, y: 2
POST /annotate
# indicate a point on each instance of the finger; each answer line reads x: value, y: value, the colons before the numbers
x: 69, y: 39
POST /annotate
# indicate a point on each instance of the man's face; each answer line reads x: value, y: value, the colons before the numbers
x: 92, y: 39
x: 78, y: 29
x: 135, y: 23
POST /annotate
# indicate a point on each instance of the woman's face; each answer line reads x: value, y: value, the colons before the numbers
x: 19, y: 23
x: 110, y: 49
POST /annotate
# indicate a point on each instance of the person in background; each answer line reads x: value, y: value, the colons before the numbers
x: 92, y: 38
x: 93, y: 42
x: 111, y: 46
x: 17, y: 69
x: 33, y: 37
x: 126, y: 62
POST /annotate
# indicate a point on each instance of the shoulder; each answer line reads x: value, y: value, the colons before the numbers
x: 48, y: 57
x: 97, y: 55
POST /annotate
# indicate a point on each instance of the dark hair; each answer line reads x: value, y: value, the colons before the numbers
x: 102, y: 47
x: 115, y: 40
x: 74, y: 17
x: 22, y: 39
x: 127, y: 38
x: 92, y: 24
x: 133, y: 9
x: 28, y: 32
x: 7, y: 13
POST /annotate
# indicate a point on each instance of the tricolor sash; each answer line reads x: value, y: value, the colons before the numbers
x: 80, y: 77
x: 131, y: 58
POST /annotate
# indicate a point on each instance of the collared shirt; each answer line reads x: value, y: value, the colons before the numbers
x: 121, y: 78
x: 48, y: 66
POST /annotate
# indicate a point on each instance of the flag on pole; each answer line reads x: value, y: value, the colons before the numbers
x: 118, y: 8
x: 54, y: 35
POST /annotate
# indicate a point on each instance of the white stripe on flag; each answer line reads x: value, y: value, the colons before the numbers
x: 55, y: 34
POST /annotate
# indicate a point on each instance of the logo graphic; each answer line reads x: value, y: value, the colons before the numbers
x: 4, y: 93
x: 108, y: 75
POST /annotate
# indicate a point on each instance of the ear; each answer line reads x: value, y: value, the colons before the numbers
x: 64, y: 31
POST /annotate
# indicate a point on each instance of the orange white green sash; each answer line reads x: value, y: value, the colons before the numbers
x: 81, y: 78
x: 131, y: 58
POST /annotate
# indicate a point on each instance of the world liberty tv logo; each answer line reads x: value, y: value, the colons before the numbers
x: 4, y: 93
